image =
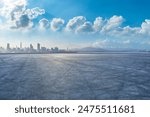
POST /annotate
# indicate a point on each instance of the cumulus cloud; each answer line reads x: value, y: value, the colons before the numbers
x: 98, y: 24
x: 10, y: 8
x: 113, y: 23
x: 57, y: 24
x: 75, y: 23
x: 23, y: 22
x: 44, y: 24
x: 85, y: 28
x: 15, y: 15
x: 79, y: 24
x: 34, y: 12
x: 130, y: 30
x: 145, y: 27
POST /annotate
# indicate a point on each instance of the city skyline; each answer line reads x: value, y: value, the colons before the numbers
x: 21, y: 45
x: 30, y: 49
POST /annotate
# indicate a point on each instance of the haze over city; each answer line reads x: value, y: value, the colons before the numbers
x: 32, y: 49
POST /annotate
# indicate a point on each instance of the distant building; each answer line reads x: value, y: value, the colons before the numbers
x: 2, y: 49
x: 31, y: 46
x: 31, y: 49
x: 56, y: 49
x: 38, y: 47
x: 44, y: 49
x: 8, y: 46
x: 20, y: 45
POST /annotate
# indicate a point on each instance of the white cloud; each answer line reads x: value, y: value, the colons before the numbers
x: 113, y: 23
x: 130, y: 31
x: 57, y: 24
x: 10, y: 7
x: 75, y: 23
x: 44, y: 24
x: 87, y: 27
x: 98, y: 24
x: 23, y: 22
x: 145, y: 27
x: 14, y: 14
x: 79, y: 24
x: 100, y: 43
x: 34, y: 12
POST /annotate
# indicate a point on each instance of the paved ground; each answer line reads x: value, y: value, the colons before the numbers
x: 75, y: 76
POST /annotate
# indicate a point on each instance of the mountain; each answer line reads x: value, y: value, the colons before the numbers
x: 93, y: 49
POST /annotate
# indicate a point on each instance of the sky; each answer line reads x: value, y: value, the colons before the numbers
x: 76, y: 23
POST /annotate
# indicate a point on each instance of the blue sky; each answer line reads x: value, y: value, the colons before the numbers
x: 135, y: 11
x: 76, y: 23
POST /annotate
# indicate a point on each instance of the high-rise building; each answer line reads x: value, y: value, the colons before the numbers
x: 31, y: 46
x: 8, y: 46
x: 20, y: 45
x: 38, y: 47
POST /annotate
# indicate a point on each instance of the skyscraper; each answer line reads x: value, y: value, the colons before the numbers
x: 8, y: 46
x: 38, y: 46
x: 31, y: 47
x: 20, y: 45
